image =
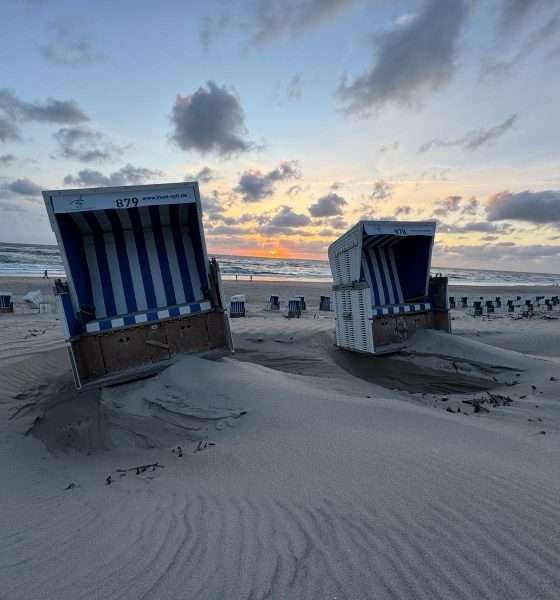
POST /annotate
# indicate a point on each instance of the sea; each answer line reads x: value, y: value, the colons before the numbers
x: 33, y: 259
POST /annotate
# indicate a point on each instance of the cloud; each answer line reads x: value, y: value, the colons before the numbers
x: 473, y: 139
x: 211, y: 205
x: 514, y: 13
x: 447, y: 205
x: 294, y: 190
x: 204, y: 175
x: 411, y: 58
x: 70, y: 45
x: 286, y: 217
x: 534, y: 207
x: 537, y: 38
x: 86, y: 145
x: 294, y: 89
x: 402, y: 210
x: 9, y: 132
x: 127, y: 175
x: 329, y: 205
x: 254, y: 185
x: 210, y: 120
x: 474, y: 227
x: 338, y: 223
x: 24, y: 187
x: 501, y: 253
x: 387, y: 147
x: 381, y: 190
x: 265, y: 21
x: 64, y: 112
x: 6, y: 159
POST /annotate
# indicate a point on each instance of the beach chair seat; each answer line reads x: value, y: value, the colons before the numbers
x: 171, y: 312
x: 237, y: 306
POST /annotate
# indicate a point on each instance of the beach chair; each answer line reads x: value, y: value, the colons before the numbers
x: 489, y: 306
x: 140, y: 288
x: 477, y: 308
x: 382, y: 291
x: 325, y: 303
x: 464, y: 302
x: 274, y: 303
x: 498, y: 302
x: 548, y: 304
x: 237, y: 306
x: 510, y: 306
x: 302, y: 302
x: 6, y: 304
x: 294, y: 308
x: 451, y: 302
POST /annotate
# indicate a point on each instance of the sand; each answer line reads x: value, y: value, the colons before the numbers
x: 304, y: 471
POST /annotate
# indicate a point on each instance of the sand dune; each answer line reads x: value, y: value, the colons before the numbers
x: 300, y: 477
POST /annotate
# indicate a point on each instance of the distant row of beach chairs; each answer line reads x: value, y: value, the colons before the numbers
x: 525, y: 306
x: 295, y: 305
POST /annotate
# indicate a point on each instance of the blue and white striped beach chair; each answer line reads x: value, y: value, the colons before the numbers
x: 6, y: 304
x: 237, y: 306
x: 135, y: 259
x: 294, y: 308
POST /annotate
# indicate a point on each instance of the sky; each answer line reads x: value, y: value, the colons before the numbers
x: 297, y: 118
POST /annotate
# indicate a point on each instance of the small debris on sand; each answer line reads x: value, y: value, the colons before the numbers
x: 71, y: 486
x: 108, y: 481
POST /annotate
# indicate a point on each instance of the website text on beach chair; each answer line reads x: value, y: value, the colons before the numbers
x: 237, y: 306
x: 382, y: 288
x: 140, y: 288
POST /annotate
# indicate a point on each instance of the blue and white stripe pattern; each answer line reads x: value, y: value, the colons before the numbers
x: 380, y: 270
x: 398, y: 309
x: 237, y: 306
x: 144, y: 317
x: 139, y: 260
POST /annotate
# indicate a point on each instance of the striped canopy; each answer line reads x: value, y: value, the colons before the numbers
x: 396, y: 267
x: 125, y: 261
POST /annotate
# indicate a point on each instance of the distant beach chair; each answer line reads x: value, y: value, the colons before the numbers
x: 34, y: 298
x: 477, y: 308
x: 464, y: 302
x: 489, y: 306
x: 510, y: 306
x: 498, y: 302
x: 451, y: 301
x: 237, y: 306
x: 325, y: 303
x: 555, y: 300
x: 294, y: 308
x: 6, y: 304
x: 548, y: 304
x: 274, y: 303
x: 302, y: 302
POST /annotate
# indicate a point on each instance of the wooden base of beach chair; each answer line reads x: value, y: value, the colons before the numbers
x: 141, y: 348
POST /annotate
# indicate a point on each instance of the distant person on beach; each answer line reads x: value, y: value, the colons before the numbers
x: 45, y: 275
